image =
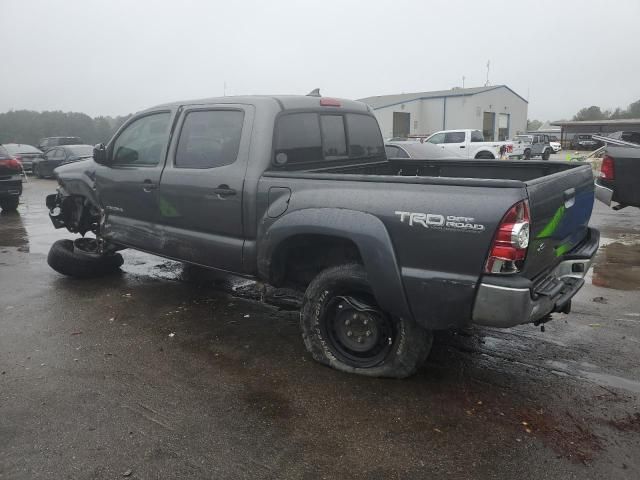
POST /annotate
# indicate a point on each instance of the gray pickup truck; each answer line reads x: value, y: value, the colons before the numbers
x: 297, y: 191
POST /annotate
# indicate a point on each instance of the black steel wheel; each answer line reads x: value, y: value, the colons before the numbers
x: 546, y: 154
x: 527, y: 154
x: 343, y: 327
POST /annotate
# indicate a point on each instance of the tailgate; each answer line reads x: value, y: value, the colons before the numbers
x: 560, y: 206
x: 627, y: 174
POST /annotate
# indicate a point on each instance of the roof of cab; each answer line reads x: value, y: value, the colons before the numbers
x: 281, y: 102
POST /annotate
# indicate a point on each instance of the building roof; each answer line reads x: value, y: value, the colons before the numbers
x: 383, y: 101
x: 576, y: 123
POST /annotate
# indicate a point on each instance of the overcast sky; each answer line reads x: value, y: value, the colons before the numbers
x: 119, y: 56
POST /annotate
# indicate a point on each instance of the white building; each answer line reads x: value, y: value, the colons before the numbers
x: 497, y: 110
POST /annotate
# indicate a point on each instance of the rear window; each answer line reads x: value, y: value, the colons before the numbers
x: 81, y: 150
x: 14, y: 148
x: 477, y: 136
x: 312, y: 137
x: 68, y: 140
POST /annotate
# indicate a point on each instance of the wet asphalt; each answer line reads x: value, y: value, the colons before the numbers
x: 159, y: 373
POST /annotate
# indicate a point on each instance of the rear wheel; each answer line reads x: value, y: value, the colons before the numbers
x: 80, y: 259
x: 485, y: 156
x: 9, y: 204
x: 546, y: 154
x: 527, y: 154
x: 343, y: 327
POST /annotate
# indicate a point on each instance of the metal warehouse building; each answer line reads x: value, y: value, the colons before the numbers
x: 600, y: 127
x: 497, y: 110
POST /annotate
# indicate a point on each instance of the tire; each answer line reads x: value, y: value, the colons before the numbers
x: 485, y: 156
x: 66, y: 259
x: 527, y: 154
x: 9, y: 204
x: 546, y: 154
x: 387, y: 347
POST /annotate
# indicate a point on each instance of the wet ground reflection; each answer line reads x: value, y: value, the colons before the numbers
x: 617, y: 264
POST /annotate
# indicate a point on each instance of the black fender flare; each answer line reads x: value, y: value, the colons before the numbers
x: 366, y: 231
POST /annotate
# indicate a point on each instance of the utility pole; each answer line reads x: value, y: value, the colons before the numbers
x: 487, y: 82
x: 462, y: 81
x: 224, y: 89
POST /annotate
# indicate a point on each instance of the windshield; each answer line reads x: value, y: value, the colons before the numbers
x: 522, y: 138
x: 14, y: 148
x: 81, y: 150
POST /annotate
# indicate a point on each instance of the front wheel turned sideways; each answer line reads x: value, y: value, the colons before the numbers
x: 74, y: 260
x: 343, y: 327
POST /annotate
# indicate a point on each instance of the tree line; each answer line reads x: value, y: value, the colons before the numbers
x: 28, y: 127
x: 596, y: 113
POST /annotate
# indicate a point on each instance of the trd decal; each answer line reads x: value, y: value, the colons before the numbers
x: 441, y: 222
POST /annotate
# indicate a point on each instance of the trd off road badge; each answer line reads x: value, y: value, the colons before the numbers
x: 441, y: 222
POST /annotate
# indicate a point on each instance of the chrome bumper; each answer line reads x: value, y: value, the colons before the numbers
x: 501, y: 306
x: 604, y: 194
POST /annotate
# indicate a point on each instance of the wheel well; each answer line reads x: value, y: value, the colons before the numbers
x: 485, y: 154
x: 79, y: 214
x: 298, y: 259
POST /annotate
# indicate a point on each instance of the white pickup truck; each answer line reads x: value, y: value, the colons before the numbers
x: 464, y: 143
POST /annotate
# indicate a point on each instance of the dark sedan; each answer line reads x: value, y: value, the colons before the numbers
x: 56, y: 156
x: 25, y: 153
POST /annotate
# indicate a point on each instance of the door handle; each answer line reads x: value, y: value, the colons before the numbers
x: 462, y: 146
x: 224, y: 191
x: 148, y: 185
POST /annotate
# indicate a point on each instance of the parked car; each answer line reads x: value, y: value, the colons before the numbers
x: 555, y: 145
x: 532, y: 145
x: 584, y: 142
x: 297, y: 191
x: 463, y: 143
x: 54, y: 157
x: 25, y: 153
x: 10, y: 181
x: 620, y: 171
x: 46, y: 143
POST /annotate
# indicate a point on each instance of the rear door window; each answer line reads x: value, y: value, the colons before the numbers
x: 454, y: 137
x: 209, y: 139
x: 476, y: 136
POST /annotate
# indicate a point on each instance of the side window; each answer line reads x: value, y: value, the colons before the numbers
x: 52, y: 154
x: 365, y: 139
x: 209, y: 139
x: 334, y: 142
x: 476, y: 136
x: 437, y: 139
x: 454, y: 137
x: 143, y: 142
x: 298, y: 139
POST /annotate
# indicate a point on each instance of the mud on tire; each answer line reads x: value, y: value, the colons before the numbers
x: 404, y: 345
x: 64, y: 258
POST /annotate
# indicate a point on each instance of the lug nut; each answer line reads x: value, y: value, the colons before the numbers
x: 368, y: 333
x: 349, y: 333
x: 347, y: 322
x: 365, y: 321
x: 359, y: 339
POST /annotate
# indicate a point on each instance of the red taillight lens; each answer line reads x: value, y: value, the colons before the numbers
x: 509, y: 247
x: 11, y: 163
x: 329, y: 102
x: 607, y: 170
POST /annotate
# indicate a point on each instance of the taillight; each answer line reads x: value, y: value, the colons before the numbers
x: 510, y: 243
x: 607, y: 170
x: 11, y: 163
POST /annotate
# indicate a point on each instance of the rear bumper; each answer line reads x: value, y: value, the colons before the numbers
x: 506, y: 302
x: 604, y: 194
x: 11, y: 188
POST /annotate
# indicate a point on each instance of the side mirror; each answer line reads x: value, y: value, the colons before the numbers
x: 100, y: 154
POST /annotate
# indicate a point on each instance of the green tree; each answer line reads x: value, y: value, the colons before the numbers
x: 591, y: 113
x: 533, y: 125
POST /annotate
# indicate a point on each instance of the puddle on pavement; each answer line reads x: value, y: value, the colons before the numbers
x: 617, y: 264
x: 599, y: 378
x: 13, y: 232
